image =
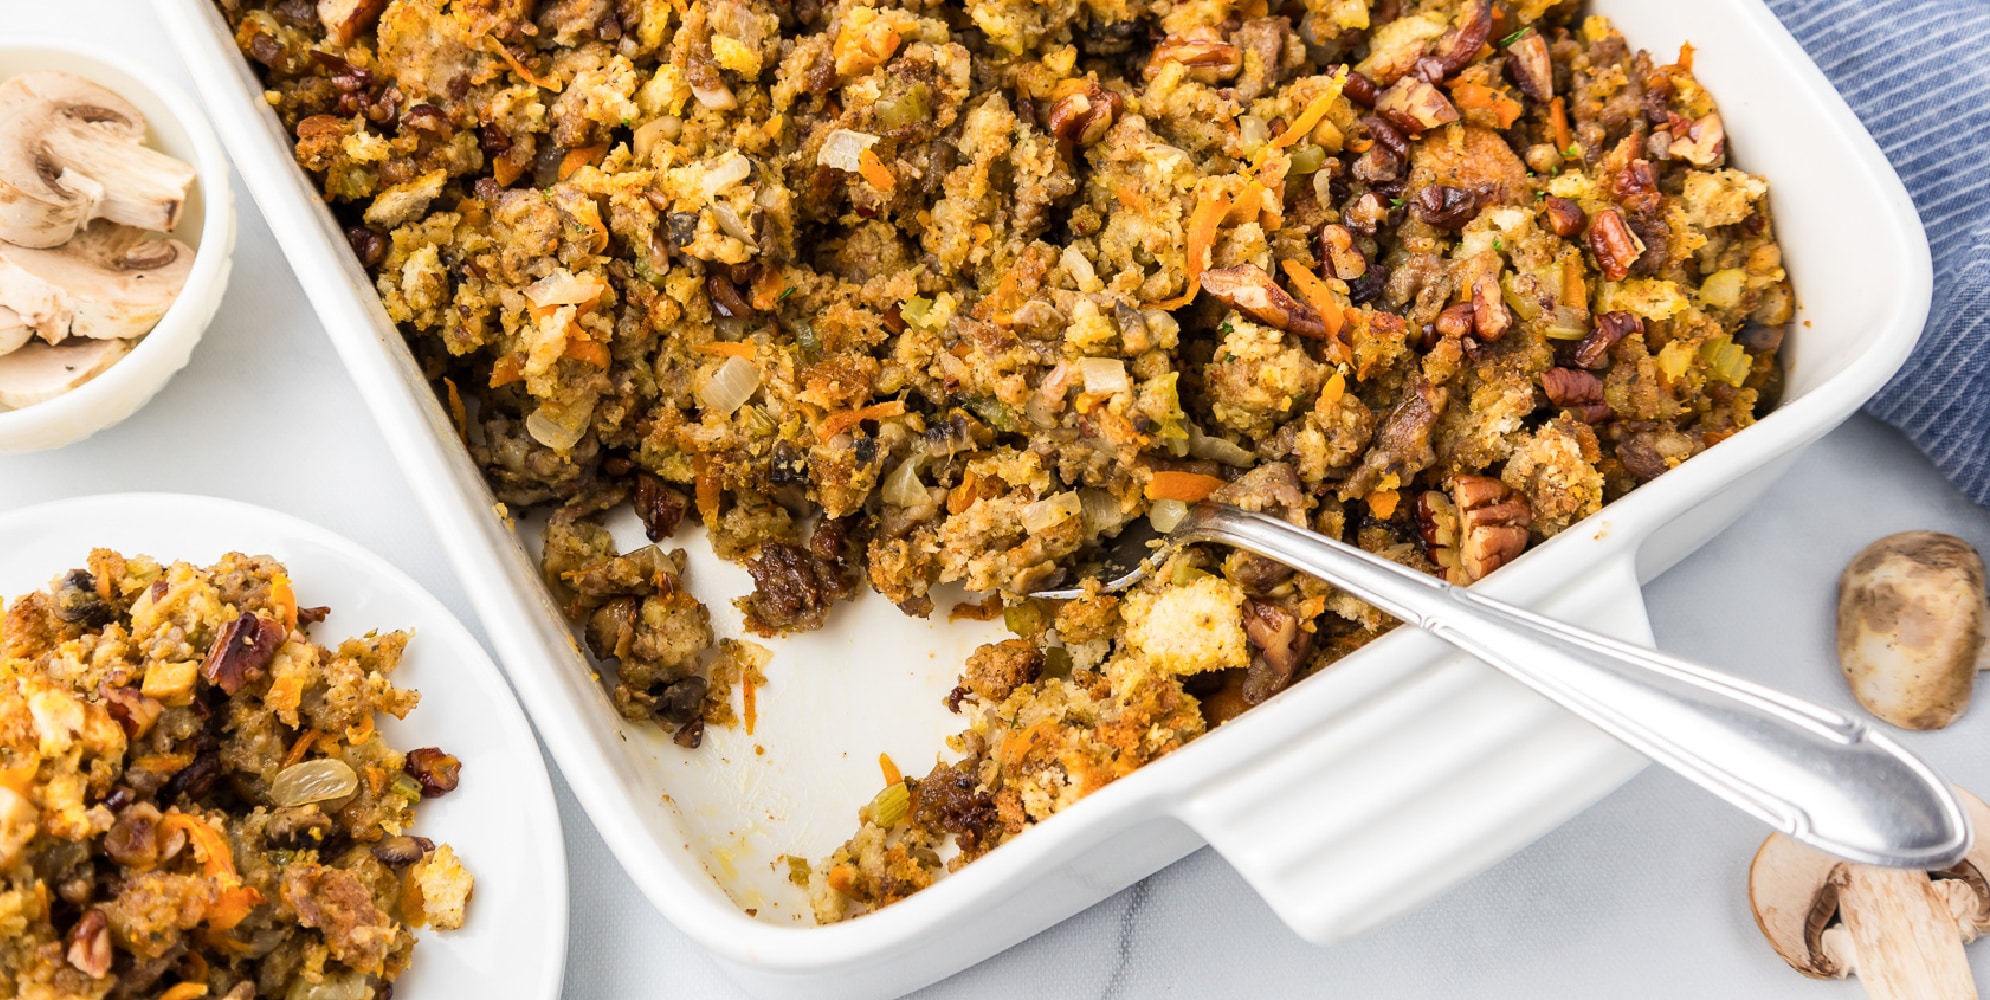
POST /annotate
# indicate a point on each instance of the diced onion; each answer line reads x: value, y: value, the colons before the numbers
x: 1165, y: 514
x: 902, y: 488
x: 565, y: 288
x: 1722, y: 289
x: 719, y: 98
x: 729, y: 386
x: 1051, y: 512
x: 842, y: 148
x: 558, y: 427
x: 1104, y: 376
x: 313, y: 781
x: 1080, y: 270
x: 1101, y: 511
x: 1218, y: 449
x: 1252, y: 132
x: 647, y: 134
x: 731, y: 169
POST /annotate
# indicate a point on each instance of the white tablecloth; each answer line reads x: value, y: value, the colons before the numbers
x: 1642, y: 896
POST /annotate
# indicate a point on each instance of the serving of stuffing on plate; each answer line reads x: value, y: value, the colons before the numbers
x: 194, y: 801
x: 916, y: 294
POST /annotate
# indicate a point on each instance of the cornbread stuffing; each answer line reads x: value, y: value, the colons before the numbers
x: 194, y: 800
x: 909, y: 293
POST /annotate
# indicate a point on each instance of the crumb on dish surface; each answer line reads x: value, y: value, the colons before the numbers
x: 904, y: 295
x: 194, y: 797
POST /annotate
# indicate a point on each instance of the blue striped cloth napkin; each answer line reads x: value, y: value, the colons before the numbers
x: 1913, y: 71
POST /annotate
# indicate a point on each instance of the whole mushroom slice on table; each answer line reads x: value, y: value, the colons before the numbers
x: 72, y: 151
x: 1911, y: 627
x: 1900, y: 931
x: 40, y: 372
x: 109, y: 282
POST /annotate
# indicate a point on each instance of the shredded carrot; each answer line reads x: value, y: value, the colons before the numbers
x: 891, y: 773
x: 582, y: 157
x: 232, y: 906
x: 1128, y: 196
x: 1558, y: 120
x: 749, y: 702
x: 1383, y: 503
x: 968, y: 611
x: 506, y: 370
x: 1188, y: 487
x: 284, y: 600
x: 874, y: 171
x: 1245, y: 207
x: 196, y: 966
x: 1023, y: 743
x: 459, y: 417
x: 1302, y: 126
x: 185, y: 991
x: 837, y: 423
x: 1316, y: 293
x: 376, y: 780
x: 728, y: 349
x: 210, y: 848
x: 963, y: 496
x: 1336, y: 388
x: 765, y: 292
x: 21, y: 777
x: 1575, y: 294
x: 592, y: 352
x: 518, y: 67
x: 505, y: 171
x: 843, y: 879
x: 1685, y: 63
x: 706, y: 482
x: 355, y: 735
x: 413, y: 911
x: 299, y: 749
x: 1481, y: 97
x: 1202, y: 225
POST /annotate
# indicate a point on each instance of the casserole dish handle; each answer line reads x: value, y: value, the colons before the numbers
x: 1337, y: 842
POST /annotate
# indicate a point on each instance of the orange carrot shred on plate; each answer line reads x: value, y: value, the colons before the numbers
x: 504, y: 170
x: 767, y: 288
x: 232, y: 907
x: 301, y: 747
x: 506, y: 370
x: 592, y: 352
x: 1188, y: 487
x: 1202, y: 224
x: 1481, y: 97
x: 578, y: 158
x: 1558, y: 120
x: 875, y: 171
x: 459, y: 417
x: 1383, y: 502
x: 1314, y: 290
x: 749, y: 702
x: 210, y: 848
x: 1303, y: 125
x: 517, y: 67
x: 837, y: 423
x: 184, y: 991
x: 1335, y: 389
x: 728, y: 349
x: 890, y: 769
x: 706, y: 482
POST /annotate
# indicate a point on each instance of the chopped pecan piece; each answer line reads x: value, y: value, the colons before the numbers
x: 1360, y: 89
x: 1565, y: 217
x: 1577, y: 391
x: 1338, y: 245
x: 1528, y: 63
x: 437, y: 772
x: 1593, y: 351
x: 1282, y: 646
x: 241, y: 653
x: 134, y: 712
x: 90, y: 944
x: 1489, y: 314
x: 1250, y: 290
x: 1082, y: 117
x: 1445, y: 207
x: 726, y: 300
x: 1437, y: 524
x: 1492, y: 524
x: 345, y: 20
x: 660, y: 506
x: 1458, y: 46
x: 1615, y: 246
x: 1415, y: 106
x: 1704, y: 142
x: 1455, y: 321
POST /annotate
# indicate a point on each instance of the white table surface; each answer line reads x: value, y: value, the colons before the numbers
x: 1642, y: 896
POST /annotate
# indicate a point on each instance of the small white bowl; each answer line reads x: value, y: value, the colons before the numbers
x: 174, y: 125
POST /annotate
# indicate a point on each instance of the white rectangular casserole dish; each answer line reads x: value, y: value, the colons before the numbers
x: 1346, y: 800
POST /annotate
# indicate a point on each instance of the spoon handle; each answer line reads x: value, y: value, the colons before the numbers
x: 1820, y: 776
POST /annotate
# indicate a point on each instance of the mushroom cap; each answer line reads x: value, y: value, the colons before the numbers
x: 1911, y: 620
x: 1793, y: 891
x: 40, y: 372
x: 71, y: 151
x: 109, y: 282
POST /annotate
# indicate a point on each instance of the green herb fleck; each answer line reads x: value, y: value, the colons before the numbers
x: 1540, y: 195
x: 1499, y: 244
x: 1516, y: 36
x: 785, y: 292
x: 1226, y: 329
x: 1395, y: 203
x: 1573, y: 152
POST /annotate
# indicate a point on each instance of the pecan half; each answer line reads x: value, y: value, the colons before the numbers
x: 1208, y: 59
x: 726, y: 300
x: 1360, y: 89
x: 1282, y: 646
x: 1444, y: 207
x: 1250, y: 290
x: 1415, y: 106
x: 1577, y: 391
x: 660, y: 506
x: 1704, y: 142
x: 1437, y: 525
x: 1565, y: 217
x: 241, y: 653
x: 1458, y: 46
x: 1593, y: 351
x: 402, y: 851
x: 1615, y: 246
x: 1338, y: 246
x: 135, y: 713
x: 1489, y: 315
x: 90, y: 944
x: 1455, y: 321
x: 1081, y: 118
x: 1532, y: 70
x: 345, y: 20
x: 437, y: 772
x: 1492, y: 524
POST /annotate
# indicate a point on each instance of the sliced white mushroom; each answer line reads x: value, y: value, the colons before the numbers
x: 1901, y: 932
x: 14, y: 331
x: 108, y: 283
x: 40, y: 372
x: 72, y: 151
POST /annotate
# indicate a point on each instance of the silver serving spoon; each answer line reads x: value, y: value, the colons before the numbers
x: 1817, y: 775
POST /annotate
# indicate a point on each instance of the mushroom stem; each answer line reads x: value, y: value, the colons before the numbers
x: 1903, y: 937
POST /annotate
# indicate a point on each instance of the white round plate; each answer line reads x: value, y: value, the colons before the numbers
x: 501, y: 819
